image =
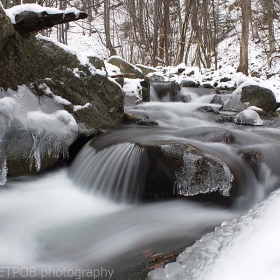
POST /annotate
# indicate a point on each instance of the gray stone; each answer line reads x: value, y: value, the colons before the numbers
x: 145, y: 69
x: 260, y: 97
x: 125, y: 67
x: 6, y: 28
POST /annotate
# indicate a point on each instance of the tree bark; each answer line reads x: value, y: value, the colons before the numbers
x: 166, y: 30
x: 246, y: 15
x: 107, y: 28
x: 184, y: 31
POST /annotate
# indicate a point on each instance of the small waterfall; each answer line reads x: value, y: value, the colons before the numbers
x: 164, y: 91
x: 113, y: 172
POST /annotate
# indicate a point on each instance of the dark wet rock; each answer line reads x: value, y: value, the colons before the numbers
x: 126, y: 67
x: 145, y: 84
x: 145, y: 94
x: 217, y: 100
x: 253, y: 158
x: 225, y: 79
x: 207, y: 109
x: 226, y: 88
x: 145, y: 90
x: 189, y: 83
x: 225, y: 118
x: 186, y: 98
x: 260, y: 97
x: 131, y: 119
x: 190, y: 73
x: 207, y: 85
x: 181, y: 70
x: 182, y: 169
x: 223, y: 137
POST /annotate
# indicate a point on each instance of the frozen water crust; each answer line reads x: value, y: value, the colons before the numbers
x: 52, y: 128
x: 235, y: 250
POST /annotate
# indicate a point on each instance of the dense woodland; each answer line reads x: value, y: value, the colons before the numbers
x: 168, y: 32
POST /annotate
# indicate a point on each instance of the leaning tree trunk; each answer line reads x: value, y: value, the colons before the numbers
x: 246, y: 15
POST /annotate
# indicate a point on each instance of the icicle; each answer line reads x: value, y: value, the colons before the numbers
x: 3, y: 164
x: 35, y: 153
x: 3, y: 171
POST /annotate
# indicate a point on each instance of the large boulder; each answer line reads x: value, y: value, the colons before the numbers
x: 251, y: 95
x: 6, y: 28
x: 126, y: 67
x: 260, y: 97
x: 183, y: 169
x: 50, y: 85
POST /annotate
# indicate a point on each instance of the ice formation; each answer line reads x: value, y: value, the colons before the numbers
x: 235, y: 250
x: 248, y: 116
x: 52, y: 128
x: 218, y: 178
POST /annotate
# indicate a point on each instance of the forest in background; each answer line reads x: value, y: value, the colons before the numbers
x: 170, y: 32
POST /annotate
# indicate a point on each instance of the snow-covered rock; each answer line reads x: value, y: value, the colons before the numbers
x: 248, y: 116
x: 49, y: 93
x: 250, y: 93
x: 126, y: 67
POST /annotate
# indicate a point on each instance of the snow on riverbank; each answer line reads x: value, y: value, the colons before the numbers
x: 244, y: 248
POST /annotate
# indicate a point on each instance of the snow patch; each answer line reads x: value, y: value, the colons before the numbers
x: 132, y: 87
x: 12, y: 12
x: 80, y: 107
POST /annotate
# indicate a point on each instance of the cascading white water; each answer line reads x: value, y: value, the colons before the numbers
x: 53, y: 221
x: 111, y: 172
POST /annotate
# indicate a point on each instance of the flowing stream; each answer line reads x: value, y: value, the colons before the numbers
x: 86, y: 218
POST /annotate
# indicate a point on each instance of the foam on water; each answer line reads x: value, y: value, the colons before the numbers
x: 32, y: 206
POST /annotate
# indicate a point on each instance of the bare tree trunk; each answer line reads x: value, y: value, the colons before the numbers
x: 215, y: 36
x: 166, y: 30
x: 246, y: 15
x: 107, y: 27
x: 184, y: 30
x: 156, y: 31
x: 268, y: 6
x: 90, y: 5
